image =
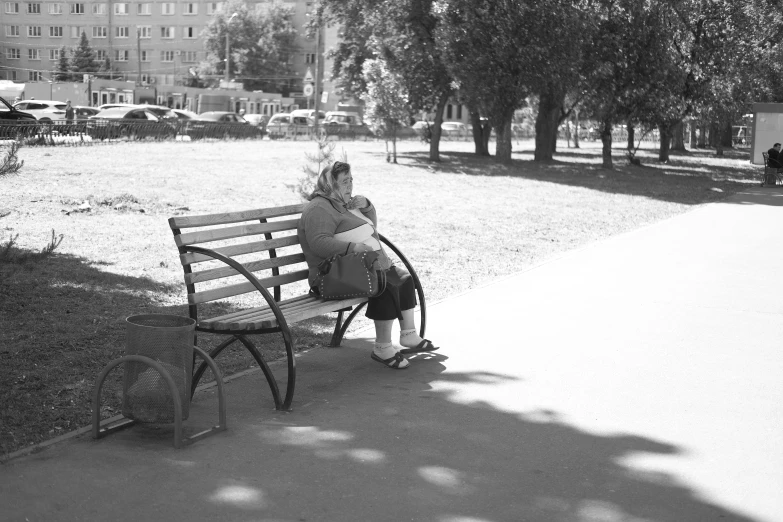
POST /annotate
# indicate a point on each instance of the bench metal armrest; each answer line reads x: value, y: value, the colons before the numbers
x: 416, y: 282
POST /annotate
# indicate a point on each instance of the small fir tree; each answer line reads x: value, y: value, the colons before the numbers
x: 83, y: 60
x: 62, y: 72
x: 324, y: 156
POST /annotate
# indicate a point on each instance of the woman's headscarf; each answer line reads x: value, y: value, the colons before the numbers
x: 326, y: 184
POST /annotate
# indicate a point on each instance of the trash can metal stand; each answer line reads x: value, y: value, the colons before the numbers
x: 158, y: 371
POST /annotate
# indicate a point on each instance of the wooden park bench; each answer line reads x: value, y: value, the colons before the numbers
x: 241, y: 256
x: 771, y: 174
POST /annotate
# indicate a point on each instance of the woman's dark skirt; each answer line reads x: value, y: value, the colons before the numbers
x: 400, y: 294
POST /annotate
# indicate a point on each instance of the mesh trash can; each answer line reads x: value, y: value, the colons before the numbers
x: 167, y: 339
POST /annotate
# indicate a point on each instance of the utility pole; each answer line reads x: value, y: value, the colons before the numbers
x: 138, y: 51
x: 317, y: 93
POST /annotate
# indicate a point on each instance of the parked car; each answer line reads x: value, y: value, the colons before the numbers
x: 82, y: 112
x: 342, y: 118
x: 44, y: 110
x: 220, y: 124
x: 15, y: 123
x: 420, y: 125
x: 344, y: 123
x: 182, y: 114
x: 453, y: 129
x: 258, y: 120
x: 129, y: 123
x: 278, y: 125
x: 161, y: 111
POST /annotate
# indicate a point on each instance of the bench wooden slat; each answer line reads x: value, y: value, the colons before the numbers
x: 206, y: 220
x: 217, y: 234
x: 245, y: 248
x: 243, y: 288
x: 319, y: 308
x: 298, y: 309
x: 212, y: 321
x: 255, y: 266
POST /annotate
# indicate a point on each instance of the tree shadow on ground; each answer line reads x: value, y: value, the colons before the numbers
x: 690, y: 178
x: 64, y: 319
x: 464, y: 460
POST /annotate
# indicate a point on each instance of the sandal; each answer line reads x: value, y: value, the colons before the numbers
x: 392, y: 362
x: 424, y: 346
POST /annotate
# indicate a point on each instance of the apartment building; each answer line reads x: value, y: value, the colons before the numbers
x: 158, y: 40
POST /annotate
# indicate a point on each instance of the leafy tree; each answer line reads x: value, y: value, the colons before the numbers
x: 260, y: 45
x: 386, y: 103
x: 62, y: 72
x: 403, y: 34
x: 83, y: 60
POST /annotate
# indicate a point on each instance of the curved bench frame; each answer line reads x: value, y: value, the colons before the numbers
x: 339, y: 331
x: 99, y: 432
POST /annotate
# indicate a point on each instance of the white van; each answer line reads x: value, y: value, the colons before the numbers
x: 343, y: 118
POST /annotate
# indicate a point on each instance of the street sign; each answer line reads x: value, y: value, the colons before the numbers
x: 309, y: 76
x: 308, y: 89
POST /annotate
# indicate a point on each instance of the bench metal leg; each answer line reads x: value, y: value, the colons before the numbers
x: 270, y: 378
x: 203, y: 366
x: 339, y: 330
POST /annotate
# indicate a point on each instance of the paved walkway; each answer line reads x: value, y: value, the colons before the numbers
x: 637, y: 379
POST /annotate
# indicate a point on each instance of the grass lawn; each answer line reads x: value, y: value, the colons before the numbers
x: 462, y: 222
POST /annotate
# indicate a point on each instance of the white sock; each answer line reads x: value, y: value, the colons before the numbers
x: 384, y: 350
x: 409, y: 338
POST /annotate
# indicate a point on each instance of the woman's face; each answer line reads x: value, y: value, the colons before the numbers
x: 344, y: 184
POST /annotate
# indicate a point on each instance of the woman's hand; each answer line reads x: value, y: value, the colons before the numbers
x: 361, y: 247
x: 359, y: 202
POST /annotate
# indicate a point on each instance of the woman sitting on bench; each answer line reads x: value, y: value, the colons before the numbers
x: 333, y: 223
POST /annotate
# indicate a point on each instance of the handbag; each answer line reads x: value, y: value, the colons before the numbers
x: 350, y: 275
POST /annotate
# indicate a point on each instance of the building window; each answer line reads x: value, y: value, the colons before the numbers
x: 55, y: 9
x: 76, y: 32
x: 34, y: 31
x: 121, y: 55
x: 121, y: 9
x: 145, y: 56
x: 459, y: 112
x: 77, y: 8
x: 11, y: 76
x: 309, y: 58
x: 167, y: 32
x: 100, y: 31
x: 33, y: 54
x: 167, y: 56
x: 54, y: 54
x: 144, y: 9
x: 121, y: 32
x: 13, y: 54
x: 145, y: 31
x: 99, y: 9
x: 167, y: 8
x: 55, y: 32
x: 12, y: 30
x: 190, y: 56
x: 12, y: 7
x: 214, y: 7
x: 100, y: 55
x: 35, y: 76
x: 189, y: 32
x: 191, y: 9
x: 33, y: 8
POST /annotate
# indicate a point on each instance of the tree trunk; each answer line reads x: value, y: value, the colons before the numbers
x: 478, y: 134
x: 576, y: 129
x: 436, y: 128
x: 549, y: 105
x: 606, y: 140
x: 394, y: 145
x: 503, y: 145
x: 486, y: 132
x: 631, y: 135
x: 568, y: 134
x: 666, y: 141
x: 677, y: 137
x: 714, y: 131
x: 702, y: 136
x: 726, y: 135
x: 693, y: 138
